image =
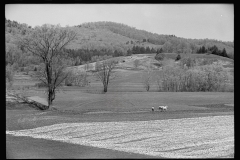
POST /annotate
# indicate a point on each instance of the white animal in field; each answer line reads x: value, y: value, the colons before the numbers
x: 163, y: 108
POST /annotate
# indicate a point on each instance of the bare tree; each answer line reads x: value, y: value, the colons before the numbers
x: 159, y: 83
x: 147, y: 78
x: 104, y: 72
x: 47, y: 43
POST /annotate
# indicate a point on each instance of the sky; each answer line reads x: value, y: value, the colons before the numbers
x: 212, y: 21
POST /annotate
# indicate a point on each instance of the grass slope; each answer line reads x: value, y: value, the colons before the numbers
x: 103, y: 38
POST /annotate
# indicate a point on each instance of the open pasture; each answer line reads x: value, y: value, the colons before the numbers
x: 135, y: 101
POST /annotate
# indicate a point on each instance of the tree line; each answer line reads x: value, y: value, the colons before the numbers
x: 213, y: 50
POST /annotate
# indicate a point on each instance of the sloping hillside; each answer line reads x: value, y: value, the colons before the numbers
x: 109, y: 38
x: 117, y: 36
x: 103, y: 38
x: 141, y: 36
x: 130, y: 78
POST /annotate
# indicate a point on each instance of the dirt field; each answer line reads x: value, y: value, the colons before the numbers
x: 202, y: 137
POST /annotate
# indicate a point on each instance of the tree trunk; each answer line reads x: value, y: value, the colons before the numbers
x: 51, y: 97
x: 105, y: 88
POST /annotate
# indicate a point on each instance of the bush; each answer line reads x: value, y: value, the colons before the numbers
x: 136, y: 63
x: 160, y: 56
x: 158, y: 64
x: 188, y: 62
x: 178, y: 57
x: 22, y: 69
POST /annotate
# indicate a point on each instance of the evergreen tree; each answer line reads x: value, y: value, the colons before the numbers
x: 138, y: 50
x: 153, y: 50
x: 116, y: 54
x: 161, y: 50
x: 129, y: 52
x: 200, y: 50
x: 157, y: 51
x: 224, y: 53
x: 148, y: 49
x: 134, y: 50
x: 215, y: 50
x: 142, y: 50
x: 203, y: 49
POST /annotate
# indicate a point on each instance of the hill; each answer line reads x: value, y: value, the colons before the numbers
x: 140, y: 36
x: 109, y: 38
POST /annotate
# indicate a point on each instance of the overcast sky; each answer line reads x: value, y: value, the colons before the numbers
x: 213, y: 21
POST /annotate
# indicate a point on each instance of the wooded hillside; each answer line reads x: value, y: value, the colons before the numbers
x: 97, y: 39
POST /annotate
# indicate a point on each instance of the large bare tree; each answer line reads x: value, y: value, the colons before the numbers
x: 104, y: 72
x: 47, y: 43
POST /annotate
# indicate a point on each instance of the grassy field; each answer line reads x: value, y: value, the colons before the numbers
x: 85, y: 123
x: 75, y: 107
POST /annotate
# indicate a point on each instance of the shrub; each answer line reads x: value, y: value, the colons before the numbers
x: 160, y: 56
x: 188, y: 62
x: 136, y: 63
x: 158, y: 64
x: 178, y: 57
x: 22, y: 69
